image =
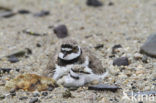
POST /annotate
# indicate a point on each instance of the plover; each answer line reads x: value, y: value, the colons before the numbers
x: 80, y: 75
x: 69, y: 54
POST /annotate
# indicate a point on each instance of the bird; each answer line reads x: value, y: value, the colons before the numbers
x: 68, y: 53
x: 80, y: 75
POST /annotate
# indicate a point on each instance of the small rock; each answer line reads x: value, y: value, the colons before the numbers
x: 98, y: 46
x: 36, y: 94
x: 115, y: 47
x: 94, y: 3
x: 44, y: 93
x: 38, y: 45
x: 13, y: 59
x: 123, y: 61
x: 23, y: 11
x: 137, y: 56
x: 23, y: 98
x: 26, y: 31
x: 50, y: 88
x: 61, y: 31
x: 145, y: 59
x: 7, y: 14
x: 13, y: 92
x: 5, y: 70
x: 42, y: 13
x: 51, y: 26
x: 33, y: 100
x: 67, y: 94
x: 110, y: 3
x: 104, y: 87
x: 149, y: 47
x: 2, y: 96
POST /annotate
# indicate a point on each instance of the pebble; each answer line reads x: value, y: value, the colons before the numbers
x: 2, y: 96
x: 66, y: 94
x: 23, y: 11
x: 13, y: 92
x: 7, y: 14
x: 23, y: 98
x: 94, y: 3
x: 44, y: 93
x: 112, y: 88
x: 149, y: 47
x: 115, y: 47
x: 13, y: 59
x: 110, y: 3
x: 33, y: 100
x: 50, y: 88
x: 137, y: 56
x: 38, y: 45
x: 26, y: 31
x: 61, y: 31
x: 42, y: 13
x: 5, y: 70
x: 145, y: 59
x: 122, y: 61
x: 98, y: 46
x: 36, y: 94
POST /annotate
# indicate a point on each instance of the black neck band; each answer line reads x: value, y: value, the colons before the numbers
x: 62, y: 62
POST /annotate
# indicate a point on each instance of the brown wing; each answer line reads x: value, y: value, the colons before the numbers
x: 94, y: 63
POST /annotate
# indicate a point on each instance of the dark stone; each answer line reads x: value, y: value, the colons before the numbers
x: 2, y: 96
x: 149, y: 47
x: 21, y: 53
x: 23, y: 11
x: 5, y: 70
x: 94, y: 3
x: 144, y: 59
x: 13, y: 92
x: 61, y: 31
x: 110, y: 3
x: 51, y: 26
x: 115, y: 47
x: 154, y: 79
x: 44, y: 93
x: 7, y: 14
x: 18, y: 70
x: 42, y: 13
x: 29, y: 51
x: 103, y: 87
x: 13, y: 59
x: 123, y: 61
x: 66, y: 94
x: 98, y: 46
x: 36, y: 94
x: 38, y: 45
x: 50, y: 88
x: 33, y: 100
x: 23, y: 98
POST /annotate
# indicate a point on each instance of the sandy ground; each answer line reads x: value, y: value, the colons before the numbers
x: 127, y: 22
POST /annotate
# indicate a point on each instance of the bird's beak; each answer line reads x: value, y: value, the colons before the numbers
x: 65, y: 54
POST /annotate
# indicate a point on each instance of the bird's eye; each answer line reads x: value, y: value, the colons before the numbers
x: 75, y: 49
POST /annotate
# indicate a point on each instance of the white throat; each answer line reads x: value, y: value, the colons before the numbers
x: 70, y: 56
